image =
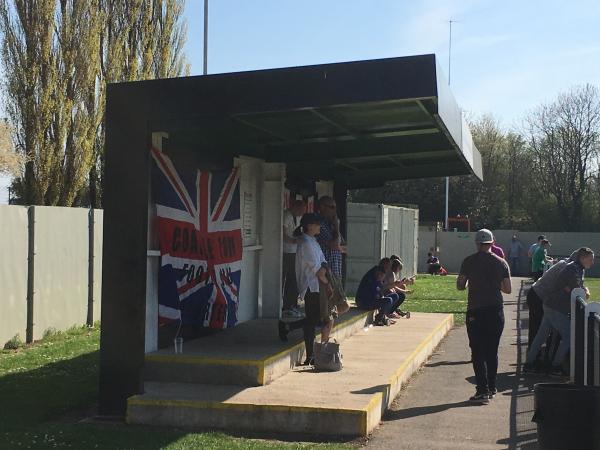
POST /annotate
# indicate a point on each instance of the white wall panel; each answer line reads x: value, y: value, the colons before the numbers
x: 13, y: 272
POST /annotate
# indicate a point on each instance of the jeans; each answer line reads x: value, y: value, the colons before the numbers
x: 514, y: 264
x: 312, y: 312
x: 290, y: 288
x: 561, y: 323
x: 385, y: 305
x: 536, y: 314
x: 484, y: 327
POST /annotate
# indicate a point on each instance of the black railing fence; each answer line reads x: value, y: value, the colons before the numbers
x: 593, y: 353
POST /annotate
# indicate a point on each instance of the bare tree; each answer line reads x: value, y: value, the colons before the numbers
x: 564, y: 139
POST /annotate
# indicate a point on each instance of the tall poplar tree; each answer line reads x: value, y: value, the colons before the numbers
x: 58, y: 56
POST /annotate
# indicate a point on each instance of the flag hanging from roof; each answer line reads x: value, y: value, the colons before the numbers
x: 199, y: 229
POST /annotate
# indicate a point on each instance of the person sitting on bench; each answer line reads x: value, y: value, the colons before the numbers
x: 369, y: 296
x: 394, y: 283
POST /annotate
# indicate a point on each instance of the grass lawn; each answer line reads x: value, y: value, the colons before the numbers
x: 593, y: 284
x: 46, y: 388
x: 437, y: 294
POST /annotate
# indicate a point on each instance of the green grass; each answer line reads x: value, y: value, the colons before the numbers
x: 593, y: 284
x: 437, y: 294
x: 48, y: 387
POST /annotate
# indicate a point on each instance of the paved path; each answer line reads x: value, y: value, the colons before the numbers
x: 433, y: 411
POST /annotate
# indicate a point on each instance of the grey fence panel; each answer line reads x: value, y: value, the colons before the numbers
x: 61, y: 268
x: 455, y: 246
x: 13, y: 272
x: 375, y: 231
x: 365, y: 241
x: 59, y: 273
x: 97, y: 285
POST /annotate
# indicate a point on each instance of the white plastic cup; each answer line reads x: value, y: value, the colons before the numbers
x: 178, y: 341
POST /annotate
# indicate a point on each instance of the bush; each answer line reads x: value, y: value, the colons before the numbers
x: 49, y: 333
x: 14, y: 343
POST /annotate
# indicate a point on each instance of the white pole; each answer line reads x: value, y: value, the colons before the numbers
x: 205, y: 69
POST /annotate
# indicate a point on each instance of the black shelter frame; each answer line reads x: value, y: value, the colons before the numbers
x: 358, y: 124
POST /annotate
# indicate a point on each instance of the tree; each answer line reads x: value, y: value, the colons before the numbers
x: 564, y: 140
x: 58, y: 56
x: 11, y: 161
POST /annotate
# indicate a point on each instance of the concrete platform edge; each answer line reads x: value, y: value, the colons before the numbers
x: 365, y: 420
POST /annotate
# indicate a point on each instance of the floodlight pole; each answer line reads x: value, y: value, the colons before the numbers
x: 446, y: 224
x: 205, y: 69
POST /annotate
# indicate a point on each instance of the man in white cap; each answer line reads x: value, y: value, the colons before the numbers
x: 486, y: 276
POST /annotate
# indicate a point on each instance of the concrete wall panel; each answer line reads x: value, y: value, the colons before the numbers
x: 13, y: 272
x: 98, y: 227
x: 61, y: 268
x: 455, y: 246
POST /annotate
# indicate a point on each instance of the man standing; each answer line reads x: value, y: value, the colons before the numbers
x: 486, y: 277
x: 539, y: 258
x: 514, y: 254
x: 330, y: 238
x: 291, y: 221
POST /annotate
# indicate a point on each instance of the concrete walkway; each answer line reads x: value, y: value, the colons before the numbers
x: 433, y: 411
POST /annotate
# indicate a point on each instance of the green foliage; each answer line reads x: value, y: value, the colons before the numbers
x: 49, y: 333
x: 14, y: 343
x: 57, y: 59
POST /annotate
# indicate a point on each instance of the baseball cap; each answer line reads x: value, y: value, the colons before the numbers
x: 309, y: 218
x: 484, y: 236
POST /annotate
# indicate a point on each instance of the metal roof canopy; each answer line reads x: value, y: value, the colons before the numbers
x: 360, y: 123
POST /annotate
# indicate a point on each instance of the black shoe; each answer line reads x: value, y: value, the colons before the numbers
x: 528, y: 369
x: 557, y: 372
x: 309, y: 361
x: 480, y: 397
x: 492, y: 392
x: 283, y: 331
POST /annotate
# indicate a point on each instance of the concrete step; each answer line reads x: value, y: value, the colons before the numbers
x: 250, y: 354
x: 377, y: 362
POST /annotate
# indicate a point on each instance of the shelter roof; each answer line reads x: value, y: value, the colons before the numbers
x: 361, y: 123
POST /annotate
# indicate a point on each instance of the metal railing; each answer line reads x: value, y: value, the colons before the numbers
x: 585, y: 340
x: 593, y: 350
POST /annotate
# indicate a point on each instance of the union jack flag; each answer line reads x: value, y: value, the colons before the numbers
x: 199, y: 229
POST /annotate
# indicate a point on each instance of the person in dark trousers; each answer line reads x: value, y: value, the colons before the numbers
x: 370, y: 296
x: 557, y: 307
x: 311, y: 277
x: 486, y: 276
x: 291, y: 221
x: 540, y: 290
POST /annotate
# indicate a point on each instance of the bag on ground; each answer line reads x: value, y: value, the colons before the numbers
x: 327, y: 356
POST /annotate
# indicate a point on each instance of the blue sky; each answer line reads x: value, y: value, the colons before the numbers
x: 507, y: 56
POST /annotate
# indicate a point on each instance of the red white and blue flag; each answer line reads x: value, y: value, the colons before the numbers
x: 199, y: 228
